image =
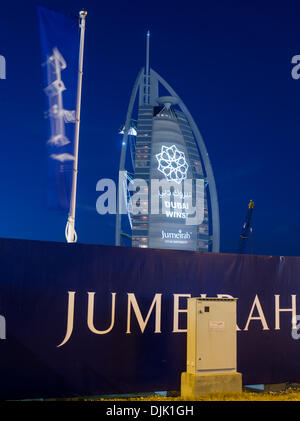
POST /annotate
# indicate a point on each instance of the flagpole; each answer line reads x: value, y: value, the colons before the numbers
x: 70, y: 232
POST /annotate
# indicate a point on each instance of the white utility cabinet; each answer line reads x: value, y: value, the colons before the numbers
x: 211, y: 335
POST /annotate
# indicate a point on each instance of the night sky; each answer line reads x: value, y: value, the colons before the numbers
x: 230, y: 62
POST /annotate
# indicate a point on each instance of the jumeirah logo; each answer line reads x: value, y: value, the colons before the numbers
x: 179, y: 235
x: 2, y: 67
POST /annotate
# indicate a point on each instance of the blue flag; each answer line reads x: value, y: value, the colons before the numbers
x: 60, y: 49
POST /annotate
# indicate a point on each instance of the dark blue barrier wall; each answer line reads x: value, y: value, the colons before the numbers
x: 113, y: 347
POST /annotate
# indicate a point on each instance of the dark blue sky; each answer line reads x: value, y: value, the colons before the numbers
x: 229, y: 61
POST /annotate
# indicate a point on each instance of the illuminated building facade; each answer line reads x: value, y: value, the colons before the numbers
x: 166, y: 145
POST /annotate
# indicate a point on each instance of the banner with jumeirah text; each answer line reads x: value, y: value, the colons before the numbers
x: 79, y: 320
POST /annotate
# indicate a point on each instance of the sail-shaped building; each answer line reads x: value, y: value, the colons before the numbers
x: 161, y: 141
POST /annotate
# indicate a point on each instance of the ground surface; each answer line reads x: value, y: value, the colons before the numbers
x: 287, y: 394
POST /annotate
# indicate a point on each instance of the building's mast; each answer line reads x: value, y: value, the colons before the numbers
x: 147, y: 71
x: 147, y: 53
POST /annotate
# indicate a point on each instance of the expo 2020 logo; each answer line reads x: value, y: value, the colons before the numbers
x: 172, y: 163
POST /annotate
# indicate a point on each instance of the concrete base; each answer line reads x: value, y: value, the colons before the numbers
x: 193, y: 385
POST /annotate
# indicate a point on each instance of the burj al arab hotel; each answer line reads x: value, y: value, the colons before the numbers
x: 161, y: 141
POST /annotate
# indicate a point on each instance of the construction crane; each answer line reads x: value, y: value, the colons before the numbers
x: 247, y: 228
